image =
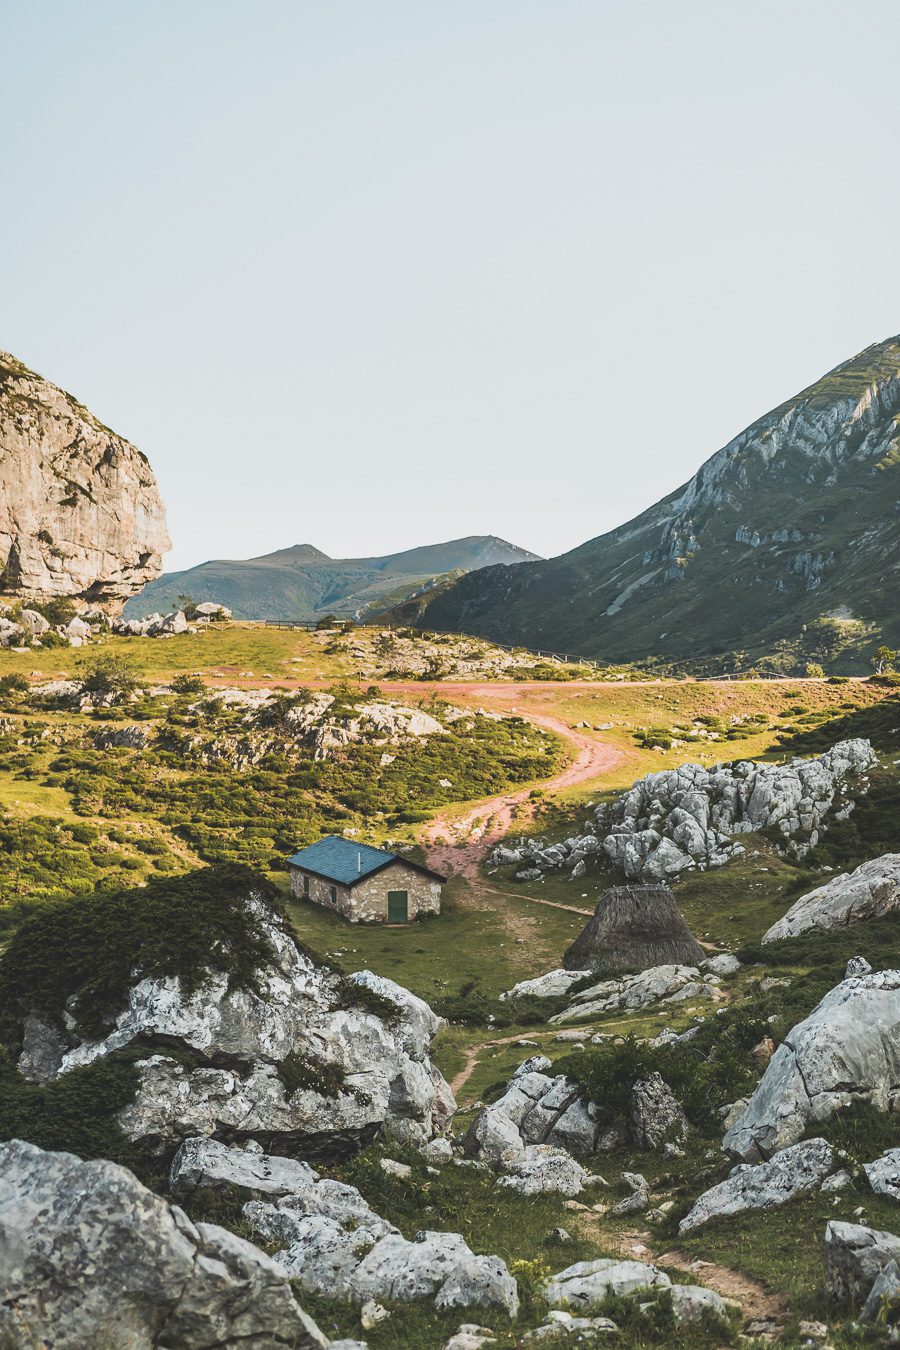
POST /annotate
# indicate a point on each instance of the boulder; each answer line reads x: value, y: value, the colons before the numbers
x: 585, y: 1285
x: 725, y: 963
x: 208, y: 1164
x: 551, y: 985
x: 872, y: 890
x: 854, y: 1257
x: 792, y: 1172
x: 541, y: 1169
x: 884, y: 1296
x: 560, y: 1323
x: 656, y: 1116
x: 847, y: 1050
x: 883, y: 1175
x: 89, y: 1256
x: 693, y: 1301
x: 34, y: 624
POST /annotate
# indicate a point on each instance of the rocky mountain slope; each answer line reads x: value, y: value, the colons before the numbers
x: 80, y: 512
x: 796, y: 522
x: 301, y: 582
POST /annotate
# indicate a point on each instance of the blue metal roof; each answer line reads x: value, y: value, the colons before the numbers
x: 341, y: 860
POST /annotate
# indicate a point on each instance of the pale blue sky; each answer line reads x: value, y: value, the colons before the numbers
x: 370, y: 274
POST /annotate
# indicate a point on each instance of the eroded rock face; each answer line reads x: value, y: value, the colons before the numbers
x: 89, y: 1256
x: 847, y: 1050
x: 80, y: 511
x: 361, y: 1070
x: 872, y: 890
x: 792, y: 1172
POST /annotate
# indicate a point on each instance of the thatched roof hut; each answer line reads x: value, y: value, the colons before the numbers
x: 634, y: 928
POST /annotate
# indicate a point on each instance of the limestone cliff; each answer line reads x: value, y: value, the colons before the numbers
x: 80, y: 512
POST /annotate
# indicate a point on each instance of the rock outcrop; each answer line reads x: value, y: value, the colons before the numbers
x: 542, y: 1109
x: 685, y: 819
x: 89, y: 1256
x: 872, y: 890
x: 305, y: 1054
x: 792, y: 1172
x: 80, y: 511
x: 659, y: 984
x: 333, y: 1242
x: 847, y: 1050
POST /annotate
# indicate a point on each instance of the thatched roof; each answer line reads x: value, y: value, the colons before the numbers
x: 634, y: 928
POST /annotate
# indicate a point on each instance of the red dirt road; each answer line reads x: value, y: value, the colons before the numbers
x: 459, y: 844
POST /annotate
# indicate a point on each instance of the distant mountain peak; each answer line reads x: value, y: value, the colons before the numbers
x: 302, y: 582
x: 795, y: 518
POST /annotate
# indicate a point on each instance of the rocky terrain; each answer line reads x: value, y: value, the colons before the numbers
x: 302, y: 582
x: 291, y: 1051
x: 686, y: 819
x: 80, y: 512
x: 408, y: 654
x: 755, y: 557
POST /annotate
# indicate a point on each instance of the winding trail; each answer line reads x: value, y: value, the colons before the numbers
x: 459, y: 843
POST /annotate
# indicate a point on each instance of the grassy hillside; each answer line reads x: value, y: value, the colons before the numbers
x: 784, y: 549
x: 303, y: 583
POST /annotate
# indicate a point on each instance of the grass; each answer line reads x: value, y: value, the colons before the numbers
x: 438, y: 955
x: 90, y: 947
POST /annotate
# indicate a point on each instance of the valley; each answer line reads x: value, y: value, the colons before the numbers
x: 208, y: 772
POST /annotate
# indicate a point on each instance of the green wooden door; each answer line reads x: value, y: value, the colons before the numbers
x: 398, y: 907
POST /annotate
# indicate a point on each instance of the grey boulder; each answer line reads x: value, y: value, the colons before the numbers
x: 792, y: 1172
x: 585, y: 1285
x: 872, y: 890
x: 541, y: 1170
x: 656, y: 1116
x: 883, y: 1175
x: 847, y: 1050
x: 884, y: 1294
x: 854, y: 1257
x: 89, y: 1256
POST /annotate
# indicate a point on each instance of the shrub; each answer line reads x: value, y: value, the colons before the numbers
x: 91, y: 945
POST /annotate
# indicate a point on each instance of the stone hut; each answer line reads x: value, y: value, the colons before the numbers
x: 364, y: 884
x: 634, y: 928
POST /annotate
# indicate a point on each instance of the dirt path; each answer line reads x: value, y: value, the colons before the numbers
x: 756, y: 1301
x: 473, y: 1055
x: 459, y: 843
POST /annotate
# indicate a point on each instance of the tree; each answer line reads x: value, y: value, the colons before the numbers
x: 108, y: 679
x: 814, y: 671
x: 883, y: 659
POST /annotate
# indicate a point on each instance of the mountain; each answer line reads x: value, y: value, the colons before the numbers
x: 80, y: 512
x: 303, y: 583
x: 784, y: 545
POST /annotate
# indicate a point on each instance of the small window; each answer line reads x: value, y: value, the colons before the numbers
x: 306, y: 887
x: 333, y: 893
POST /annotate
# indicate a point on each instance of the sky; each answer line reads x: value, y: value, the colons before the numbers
x: 370, y: 274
